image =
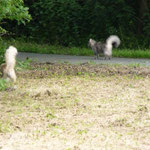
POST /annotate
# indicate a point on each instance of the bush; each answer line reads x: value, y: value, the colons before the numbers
x: 3, y: 47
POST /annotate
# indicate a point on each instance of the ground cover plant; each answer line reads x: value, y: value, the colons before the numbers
x: 3, y: 84
x: 77, y: 107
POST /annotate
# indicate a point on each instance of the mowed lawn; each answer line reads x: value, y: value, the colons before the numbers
x: 77, y: 107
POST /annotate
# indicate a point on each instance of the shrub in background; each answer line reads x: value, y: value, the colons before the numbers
x: 73, y: 22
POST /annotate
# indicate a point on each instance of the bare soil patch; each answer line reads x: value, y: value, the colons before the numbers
x: 47, y: 69
x: 77, y: 107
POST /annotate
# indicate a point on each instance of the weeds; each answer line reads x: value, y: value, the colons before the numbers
x: 21, y: 65
x: 3, y: 84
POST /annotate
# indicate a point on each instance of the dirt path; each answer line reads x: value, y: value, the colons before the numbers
x: 81, y: 59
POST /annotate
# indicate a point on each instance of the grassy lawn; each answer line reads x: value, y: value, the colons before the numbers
x: 50, y: 49
x: 77, y: 107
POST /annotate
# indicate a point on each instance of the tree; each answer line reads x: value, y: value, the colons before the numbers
x: 13, y: 10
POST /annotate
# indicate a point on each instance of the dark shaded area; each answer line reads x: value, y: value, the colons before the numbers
x: 73, y: 22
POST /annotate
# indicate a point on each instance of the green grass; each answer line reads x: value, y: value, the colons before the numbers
x: 3, y: 84
x: 127, y: 53
x: 55, y: 49
x: 51, y: 49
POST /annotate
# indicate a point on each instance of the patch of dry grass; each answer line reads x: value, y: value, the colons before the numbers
x: 76, y: 111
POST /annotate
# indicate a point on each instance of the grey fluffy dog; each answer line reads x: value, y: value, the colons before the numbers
x: 104, y: 48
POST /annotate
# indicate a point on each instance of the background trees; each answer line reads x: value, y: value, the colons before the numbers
x: 73, y: 22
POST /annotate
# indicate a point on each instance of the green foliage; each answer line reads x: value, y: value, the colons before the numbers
x: 132, y: 53
x: 1, y: 55
x: 58, y: 21
x: 24, y: 64
x: 13, y: 10
x: 73, y: 22
x: 3, y: 84
x: 3, y: 47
